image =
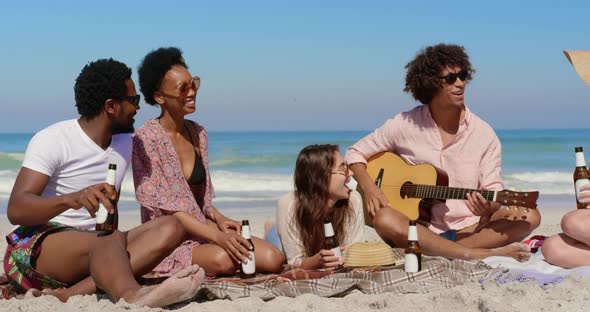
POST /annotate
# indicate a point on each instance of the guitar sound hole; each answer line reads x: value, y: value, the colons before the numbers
x: 406, y: 190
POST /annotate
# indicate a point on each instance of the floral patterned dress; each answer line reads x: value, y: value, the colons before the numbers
x: 160, y: 184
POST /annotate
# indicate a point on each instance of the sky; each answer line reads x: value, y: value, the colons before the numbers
x: 299, y: 65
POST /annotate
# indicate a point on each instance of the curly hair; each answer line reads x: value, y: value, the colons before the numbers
x: 154, y: 67
x: 313, y: 172
x: 97, y: 82
x: 423, y: 72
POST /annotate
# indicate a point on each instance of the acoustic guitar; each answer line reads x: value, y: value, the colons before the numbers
x: 411, y: 189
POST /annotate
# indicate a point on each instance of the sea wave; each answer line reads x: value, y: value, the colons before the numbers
x: 233, y: 186
x: 546, y: 182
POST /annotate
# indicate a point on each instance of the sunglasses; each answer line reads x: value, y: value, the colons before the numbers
x: 452, y: 77
x: 133, y: 99
x: 194, y: 84
x: 342, y: 169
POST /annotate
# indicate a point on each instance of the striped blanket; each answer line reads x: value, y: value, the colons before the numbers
x: 436, y: 273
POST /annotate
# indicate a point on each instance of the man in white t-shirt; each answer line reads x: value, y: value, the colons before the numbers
x: 57, y: 193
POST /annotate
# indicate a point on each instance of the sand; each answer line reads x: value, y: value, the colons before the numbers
x: 573, y: 294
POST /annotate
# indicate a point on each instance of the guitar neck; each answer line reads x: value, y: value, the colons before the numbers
x: 445, y: 192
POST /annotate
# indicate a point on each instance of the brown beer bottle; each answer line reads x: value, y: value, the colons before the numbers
x: 106, y: 221
x: 330, y: 242
x: 581, y: 175
x: 413, y: 257
x: 248, y: 269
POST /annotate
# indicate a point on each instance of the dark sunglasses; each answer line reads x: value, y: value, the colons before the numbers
x: 133, y: 99
x: 452, y: 77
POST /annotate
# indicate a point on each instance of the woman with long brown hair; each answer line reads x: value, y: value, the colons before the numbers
x: 321, y: 194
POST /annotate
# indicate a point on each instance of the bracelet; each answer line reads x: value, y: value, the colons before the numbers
x: 297, y: 263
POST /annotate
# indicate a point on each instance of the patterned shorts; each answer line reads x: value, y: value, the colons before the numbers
x: 24, y: 246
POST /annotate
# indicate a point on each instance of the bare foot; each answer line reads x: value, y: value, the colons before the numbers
x: 518, y: 251
x: 181, y: 286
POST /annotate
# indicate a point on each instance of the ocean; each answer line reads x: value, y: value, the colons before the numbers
x: 251, y: 170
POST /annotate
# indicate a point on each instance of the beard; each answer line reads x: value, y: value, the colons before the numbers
x: 119, y: 128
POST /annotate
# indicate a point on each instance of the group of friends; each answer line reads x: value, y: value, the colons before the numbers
x: 183, y: 237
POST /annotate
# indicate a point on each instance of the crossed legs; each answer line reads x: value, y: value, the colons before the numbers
x: 498, y: 238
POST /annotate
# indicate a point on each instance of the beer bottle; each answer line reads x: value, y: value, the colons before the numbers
x: 581, y: 175
x: 413, y: 258
x: 330, y: 242
x: 106, y: 221
x: 248, y: 269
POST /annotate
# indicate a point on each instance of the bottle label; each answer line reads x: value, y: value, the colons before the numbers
x: 337, y: 252
x: 250, y: 267
x: 579, y: 183
x: 411, y: 264
x: 580, y: 161
x: 101, y: 214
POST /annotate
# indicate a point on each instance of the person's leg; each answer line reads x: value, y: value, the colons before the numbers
x: 269, y: 259
x: 147, y: 244
x: 566, y: 252
x: 215, y: 260
x: 71, y: 255
x: 392, y: 226
x: 571, y: 248
x: 508, y: 225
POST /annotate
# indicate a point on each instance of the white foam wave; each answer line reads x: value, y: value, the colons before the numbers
x: 228, y: 181
x: 546, y: 182
x: 235, y: 186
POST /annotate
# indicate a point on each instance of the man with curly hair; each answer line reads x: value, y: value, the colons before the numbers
x: 443, y: 132
x: 57, y: 193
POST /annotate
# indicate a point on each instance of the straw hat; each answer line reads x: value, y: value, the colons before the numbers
x: 581, y: 61
x: 362, y: 254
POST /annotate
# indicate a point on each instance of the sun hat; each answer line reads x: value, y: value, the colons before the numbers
x: 362, y: 254
x: 580, y: 59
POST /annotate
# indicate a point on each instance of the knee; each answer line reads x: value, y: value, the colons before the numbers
x: 389, y: 225
x: 270, y: 259
x: 221, y: 264
x: 552, y: 250
x: 572, y: 223
x: 171, y: 232
x: 118, y: 237
x: 534, y: 219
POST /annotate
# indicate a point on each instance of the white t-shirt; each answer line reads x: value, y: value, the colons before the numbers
x: 73, y: 161
x: 290, y: 236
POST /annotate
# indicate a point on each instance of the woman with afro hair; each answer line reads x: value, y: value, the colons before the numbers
x: 171, y: 175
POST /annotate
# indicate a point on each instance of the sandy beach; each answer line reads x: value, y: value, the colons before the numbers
x: 572, y: 294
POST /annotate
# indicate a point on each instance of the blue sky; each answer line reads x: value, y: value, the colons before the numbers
x: 299, y: 65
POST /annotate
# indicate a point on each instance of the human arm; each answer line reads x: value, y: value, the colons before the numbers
x: 223, y: 223
x: 26, y: 206
x: 490, y: 178
x: 380, y: 140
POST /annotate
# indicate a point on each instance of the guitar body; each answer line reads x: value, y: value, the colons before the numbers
x: 394, y: 173
x: 411, y: 189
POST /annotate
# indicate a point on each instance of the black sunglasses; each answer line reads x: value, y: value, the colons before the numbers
x: 452, y: 77
x: 133, y: 99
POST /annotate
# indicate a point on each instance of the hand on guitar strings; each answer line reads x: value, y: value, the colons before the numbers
x: 481, y: 207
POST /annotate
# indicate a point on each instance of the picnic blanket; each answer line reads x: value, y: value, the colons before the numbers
x: 535, y: 269
x: 437, y: 273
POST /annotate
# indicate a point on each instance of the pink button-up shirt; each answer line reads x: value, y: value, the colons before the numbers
x: 473, y: 159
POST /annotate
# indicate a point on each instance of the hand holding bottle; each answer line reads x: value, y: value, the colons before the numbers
x: 90, y: 198
x: 328, y: 259
x: 584, y: 195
